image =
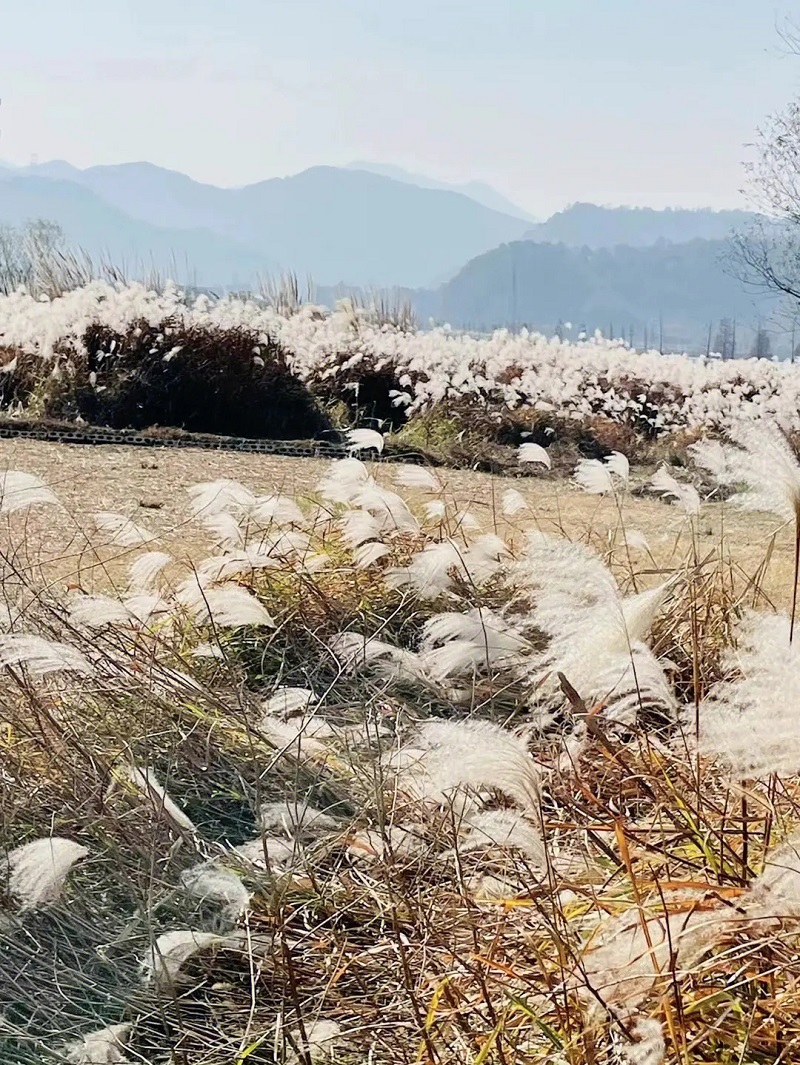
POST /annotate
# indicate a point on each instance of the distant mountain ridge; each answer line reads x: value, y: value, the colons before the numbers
x: 591, y: 226
x: 677, y: 290
x: 475, y: 190
x: 335, y: 224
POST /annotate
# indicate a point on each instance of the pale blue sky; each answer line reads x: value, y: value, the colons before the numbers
x: 551, y: 101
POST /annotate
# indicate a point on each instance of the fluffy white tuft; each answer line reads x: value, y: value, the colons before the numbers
x: 362, y: 439
x: 122, y: 531
x: 41, y: 656
x: 145, y: 571
x: 19, y: 490
x: 149, y: 785
x: 210, y: 883
x: 513, y: 502
x: 418, y: 477
x: 38, y: 870
x: 445, y: 757
x: 685, y: 495
x: 103, y: 1047
x: 534, y: 453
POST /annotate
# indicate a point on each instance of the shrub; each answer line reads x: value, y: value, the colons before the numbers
x: 197, y: 378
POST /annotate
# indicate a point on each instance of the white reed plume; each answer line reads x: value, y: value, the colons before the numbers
x: 368, y: 554
x: 774, y: 896
x: 216, y: 497
x: 390, y: 509
x: 208, y: 650
x: 598, y: 478
x: 103, y: 1047
x: 211, y: 883
x: 371, y: 844
x: 766, y: 465
x: 171, y: 951
x: 322, y: 1042
x: 628, y: 954
x: 19, y: 490
x: 345, y: 479
x: 505, y: 830
x: 685, y: 495
x: 158, y: 798
x: 445, y: 757
x: 636, y: 540
x: 418, y: 477
x: 301, y: 737
x: 295, y: 819
x: 712, y: 456
x: 270, y: 852
x: 358, y: 526
x: 534, y: 453
x: 365, y: 439
x: 750, y: 721
x: 648, y: 1047
x: 355, y: 652
x: 513, y: 502
x: 144, y: 573
x: 245, y: 562
x: 429, y: 573
x: 276, y: 510
x: 455, y: 643
x: 41, y: 656
x: 228, y: 607
x: 97, y: 611
x: 37, y: 871
x: 435, y: 509
x: 285, y: 702
x: 122, y: 531
x: 226, y: 529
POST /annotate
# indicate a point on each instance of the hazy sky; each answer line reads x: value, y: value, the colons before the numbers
x: 552, y: 101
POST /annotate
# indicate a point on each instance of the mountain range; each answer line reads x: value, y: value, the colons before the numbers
x: 464, y: 254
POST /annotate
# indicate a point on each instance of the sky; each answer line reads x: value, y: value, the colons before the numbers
x: 644, y: 102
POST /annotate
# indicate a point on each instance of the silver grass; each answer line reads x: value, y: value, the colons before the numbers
x: 751, y: 721
x: 344, y: 480
x: 390, y: 509
x: 103, y: 1047
x: 628, y: 954
x: 151, y: 788
x: 363, y: 439
x: 358, y: 526
x: 246, y: 561
x: 226, y: 607
x: 210, y: 883
x: 400, y: 841
x: 41, y: 656
x: 435, y: 509
x: 295, y: 819
x: 648, y: 1046
x: 775, y: 894
x: 215, y: 497
x: 765, y: 464
x: 226, y: 529
x: 274, y: 852
x: 37, y: 871
x: 368, y: 554
x: 172, y: 950
x: 19, y: 490
x: 285, y: 702
x: 513, y: 502
x: 685, y: 495
x: 533, y: 453
x: 429, y: 572
x: 712, y: 456
x: 276, y: 510
x: 506, y: 830
x: 444, y: 757
x: 122, y: 531
x: 418, y: 477
x: 144, y: 572
x: 303, y: 737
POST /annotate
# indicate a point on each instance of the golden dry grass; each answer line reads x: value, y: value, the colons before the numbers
x: 149, y: 485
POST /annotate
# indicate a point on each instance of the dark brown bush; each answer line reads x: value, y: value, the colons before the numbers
x: 195, y: 378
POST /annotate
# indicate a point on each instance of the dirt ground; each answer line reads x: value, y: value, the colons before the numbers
x: 149, y: 485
